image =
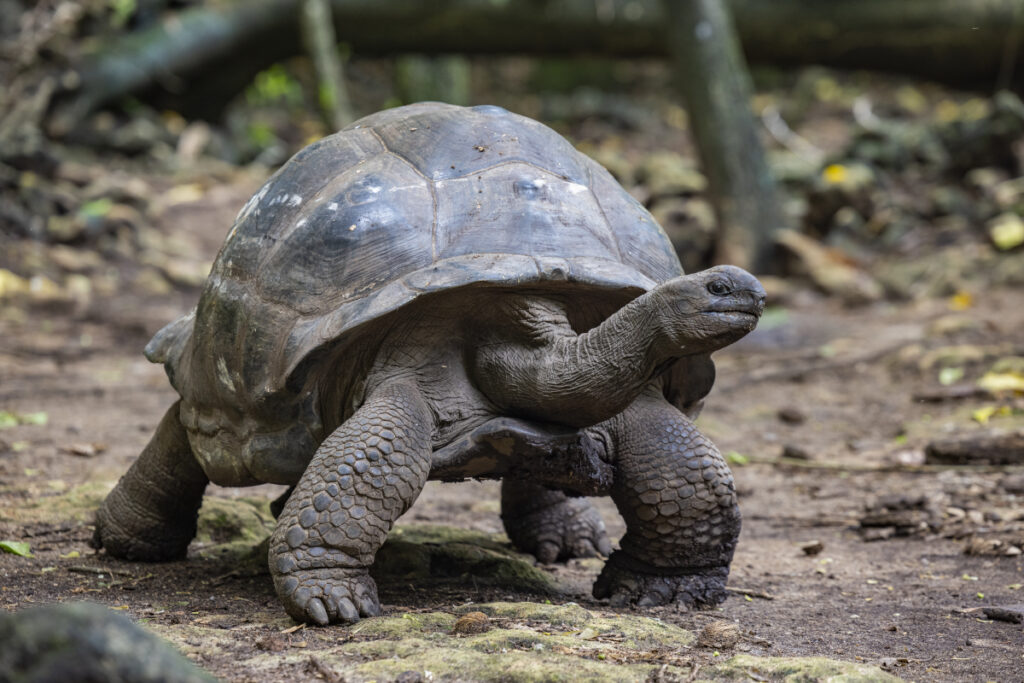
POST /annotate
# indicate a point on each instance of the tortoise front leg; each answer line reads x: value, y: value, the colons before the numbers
x: 361, y: 479
x: 151, y: 514
x: 677, y: 497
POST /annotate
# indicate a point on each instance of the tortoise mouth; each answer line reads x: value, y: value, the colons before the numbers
x: 734, y: 314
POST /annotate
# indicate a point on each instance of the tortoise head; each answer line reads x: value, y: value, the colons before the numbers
x: 708, y: 310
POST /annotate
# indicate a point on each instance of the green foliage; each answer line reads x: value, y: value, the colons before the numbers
x: 122, y: 11
x: 260, y: 134
x: 97, y: 208
x: 9, y: 419
x: 274, y: 86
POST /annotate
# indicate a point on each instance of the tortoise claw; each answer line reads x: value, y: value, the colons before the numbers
x: 328, y: 595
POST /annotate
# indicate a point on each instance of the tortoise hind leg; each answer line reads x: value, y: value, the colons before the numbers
x: 549, y: 524
x: 151, y: 514
x: 677, y: 497
x: 361, y: 479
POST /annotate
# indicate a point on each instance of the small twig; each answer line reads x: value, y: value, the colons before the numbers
x: 693, y: 673
x: 85, y: 569
x: 752, y: 593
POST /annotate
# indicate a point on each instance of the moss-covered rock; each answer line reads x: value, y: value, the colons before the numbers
x: 526, y: 666
x: 436, y: 554
x: 795, y: 670
x: 234, y: 529
x: 75, y: 505
x: 570, y: 614
x: 406, y: 626
x: 527, y: 642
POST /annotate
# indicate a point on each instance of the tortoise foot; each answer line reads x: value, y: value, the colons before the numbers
x: 328, y: 596
x: 626, y: 584
x: 140, y: 538
x: 570, y: 528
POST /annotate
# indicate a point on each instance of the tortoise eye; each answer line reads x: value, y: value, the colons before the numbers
x: 718, y: 287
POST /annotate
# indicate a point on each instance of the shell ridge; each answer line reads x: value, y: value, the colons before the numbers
x: 430, y: 188
x: 600, y: 207
x: 433, y: 198
x: 510, y: 162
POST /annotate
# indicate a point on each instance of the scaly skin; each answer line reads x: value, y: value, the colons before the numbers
x: 151, y: 514
x: 677, y: 497
x: 549, y: 524
x: 361, y: 479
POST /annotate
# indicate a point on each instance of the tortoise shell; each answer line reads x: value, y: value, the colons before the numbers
x: 404, y: 203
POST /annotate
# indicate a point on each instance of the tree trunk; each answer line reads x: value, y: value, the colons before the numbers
x: 971, y: 43
x: 713, y: 79
x: 322, y: 46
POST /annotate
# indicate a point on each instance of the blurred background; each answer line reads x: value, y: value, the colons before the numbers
x: 865, y: 158
x: 898, y: 182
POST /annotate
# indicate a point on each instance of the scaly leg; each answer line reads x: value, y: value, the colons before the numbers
x: 151, y: 514
x: 549, y: 524
x: 361, y: 479
x: 678, y: 500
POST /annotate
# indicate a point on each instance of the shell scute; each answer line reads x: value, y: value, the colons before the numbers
x: 373, y: 224
x: 517, y: 209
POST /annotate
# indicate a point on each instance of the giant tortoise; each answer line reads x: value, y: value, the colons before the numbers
x: 438, y: 292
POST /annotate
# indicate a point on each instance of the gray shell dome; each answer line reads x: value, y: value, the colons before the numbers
x: 401, y: 204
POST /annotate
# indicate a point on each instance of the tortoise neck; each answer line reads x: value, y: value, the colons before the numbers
x: 548, y: 372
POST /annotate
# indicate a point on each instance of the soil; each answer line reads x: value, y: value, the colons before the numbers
x: 834, y: 386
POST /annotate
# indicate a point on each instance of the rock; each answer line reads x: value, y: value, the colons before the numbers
x: 791, y: 415
x: 719, y: 635
x: 81, y: 643
x: 899, y: 514
x: 472, y: 622
x: 795, y: 452
x: 812, y: 548
x: 987, y: 448
x: 1013, y: 483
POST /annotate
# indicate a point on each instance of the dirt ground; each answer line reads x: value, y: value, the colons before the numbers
x: 835, y: 387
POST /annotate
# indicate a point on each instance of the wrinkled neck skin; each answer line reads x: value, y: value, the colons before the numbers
x: 534, y: 365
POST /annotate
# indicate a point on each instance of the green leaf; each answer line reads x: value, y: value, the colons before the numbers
x: 39, y: 419
x: 949, y: 376
x: 19, y: 548
x: 737, y: 458
x: 8, y: 419
x: 97, y: 208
